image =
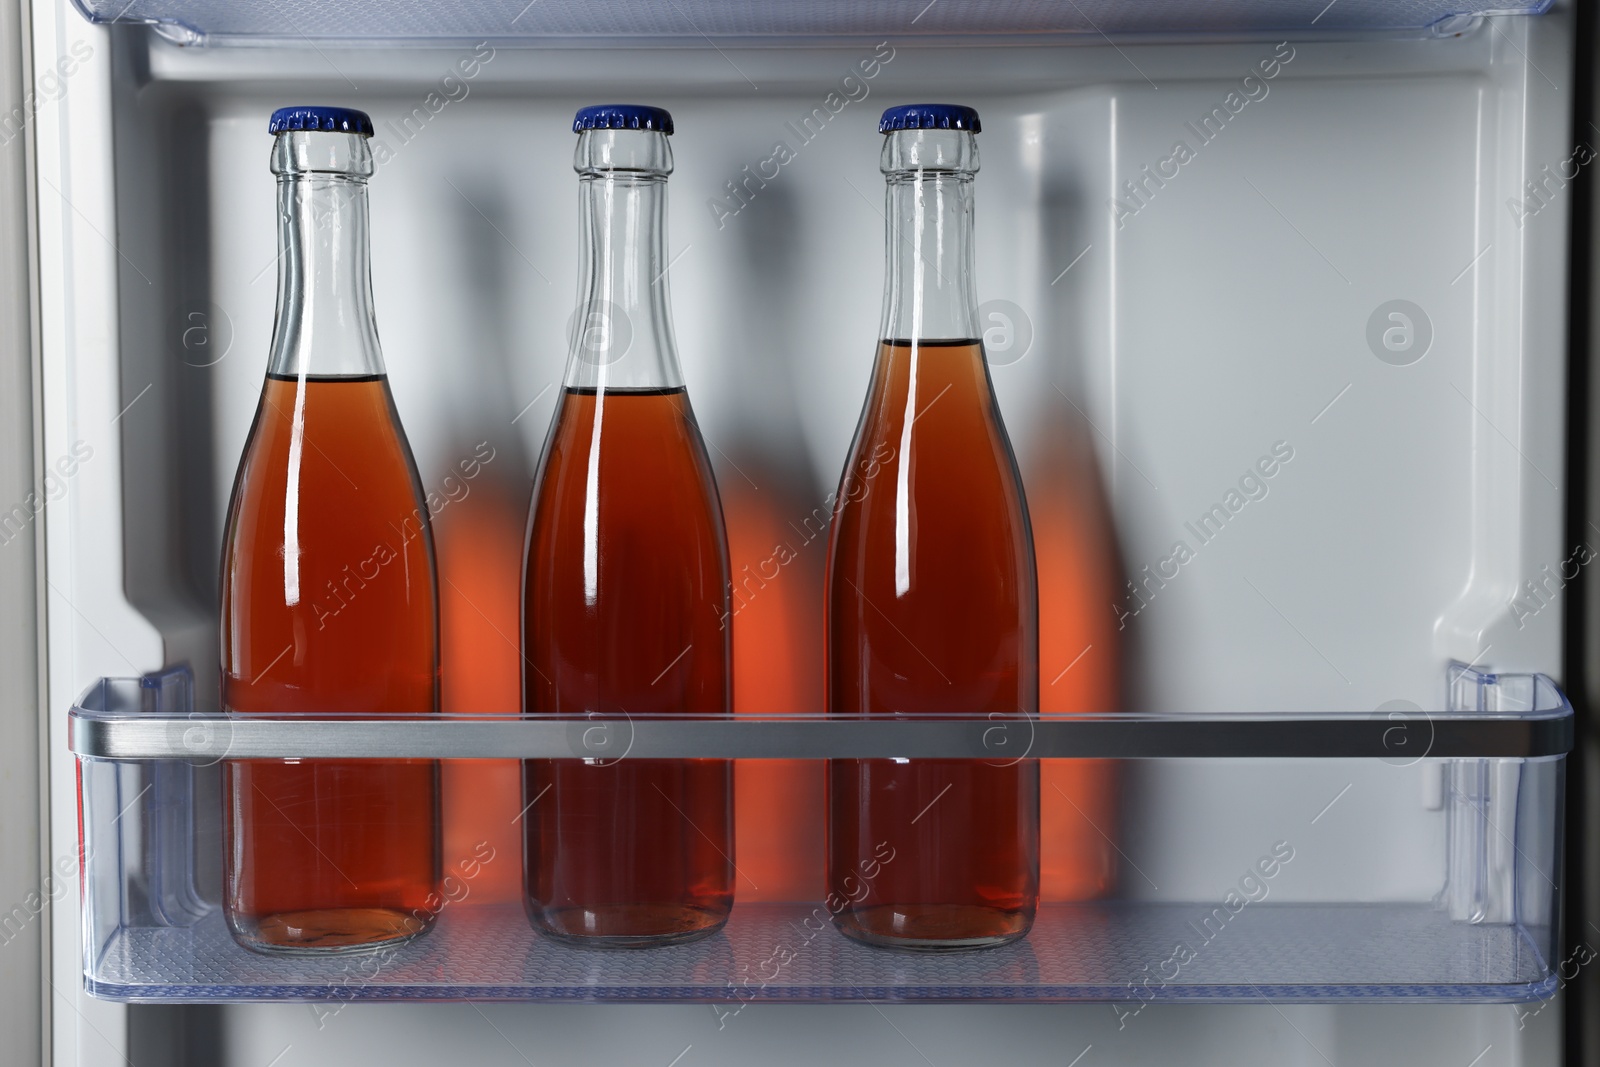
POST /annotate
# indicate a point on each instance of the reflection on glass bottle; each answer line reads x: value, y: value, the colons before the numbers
x: 625, y: 598
x: 932, y: 595
x: 777, y: 670
x: 1079, y: 650
x: 480, y: 541
x: 329, y: 599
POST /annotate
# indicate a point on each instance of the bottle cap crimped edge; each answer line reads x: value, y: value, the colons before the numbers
x: 622, y: 117
x: 930, y: 117
x: 320, y: 119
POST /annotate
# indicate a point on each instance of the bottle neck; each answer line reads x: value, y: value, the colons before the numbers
x: 929, y: 292
x: 621, y: 331
x: 325, y: 324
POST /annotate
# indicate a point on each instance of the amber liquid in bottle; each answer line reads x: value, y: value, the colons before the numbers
x: 625, y: 601
x: 963, y: 834
x: 329, y: 599
x: 933, y: 600
x: 329, y: 853
x: 624, y: 849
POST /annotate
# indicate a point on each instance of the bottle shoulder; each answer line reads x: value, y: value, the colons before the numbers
x: 334, y: 454
x: 626, y: 457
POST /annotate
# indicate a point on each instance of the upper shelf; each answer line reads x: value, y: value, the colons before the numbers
x: 206, y: 22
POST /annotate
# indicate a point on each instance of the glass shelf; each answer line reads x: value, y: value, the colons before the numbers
x: 695, y: 21
x: 1424, y: 857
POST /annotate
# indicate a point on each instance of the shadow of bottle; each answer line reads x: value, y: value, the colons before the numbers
x: 1082, y: 647
x: 478, y: 496
x: 777, y: 543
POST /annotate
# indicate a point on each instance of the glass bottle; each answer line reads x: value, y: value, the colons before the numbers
x: 329, y: 597
x: 625, y: 592
x: 932, y: 594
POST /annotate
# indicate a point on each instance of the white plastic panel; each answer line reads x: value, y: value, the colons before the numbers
x: 1226, y: 315
x: 1224, y: 318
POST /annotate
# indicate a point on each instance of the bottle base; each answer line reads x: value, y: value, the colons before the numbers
x: 629, y: 925
x: 934, y: 927
x: 326, y: 931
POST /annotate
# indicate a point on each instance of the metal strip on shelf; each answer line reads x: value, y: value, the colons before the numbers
x: 1392, y: 737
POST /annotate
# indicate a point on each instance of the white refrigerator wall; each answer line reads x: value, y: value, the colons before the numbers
x: 1237, y: 302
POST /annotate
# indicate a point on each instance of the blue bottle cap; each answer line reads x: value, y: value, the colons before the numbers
x: 324, y: 119
x: 930, y: 117
x: 622, y: 117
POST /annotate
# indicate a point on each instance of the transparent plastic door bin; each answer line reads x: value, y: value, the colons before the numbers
x: 1211, y: 858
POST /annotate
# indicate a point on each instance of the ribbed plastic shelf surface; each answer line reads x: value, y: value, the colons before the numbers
x: 778, y: 952
x: 217, y: 21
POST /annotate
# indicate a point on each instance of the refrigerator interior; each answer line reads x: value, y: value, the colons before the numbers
x: 1234, y: 305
